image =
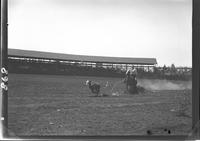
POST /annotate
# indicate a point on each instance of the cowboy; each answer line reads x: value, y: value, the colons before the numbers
x: 131, y: 72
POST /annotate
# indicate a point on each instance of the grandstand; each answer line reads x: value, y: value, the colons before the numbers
x: 20, y: 56
x: 37, y: 62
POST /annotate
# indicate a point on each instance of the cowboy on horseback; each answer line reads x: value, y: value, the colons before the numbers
x: 131, y: 80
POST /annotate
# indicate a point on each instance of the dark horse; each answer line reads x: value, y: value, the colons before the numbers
x: 131, y: 84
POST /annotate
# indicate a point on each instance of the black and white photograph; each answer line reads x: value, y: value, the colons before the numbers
x: 99, y: 67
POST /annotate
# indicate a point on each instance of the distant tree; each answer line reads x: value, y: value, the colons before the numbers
x: 173, y: 68
x: 164, y: 67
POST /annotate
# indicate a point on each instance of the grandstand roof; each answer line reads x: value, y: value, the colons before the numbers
x: 84, y: 58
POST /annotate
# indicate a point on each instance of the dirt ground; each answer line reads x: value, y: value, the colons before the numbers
x: 63, y: 105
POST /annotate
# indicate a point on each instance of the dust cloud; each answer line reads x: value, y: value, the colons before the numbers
x: 164, y: 84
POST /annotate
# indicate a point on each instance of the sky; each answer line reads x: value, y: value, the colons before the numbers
x: 160, y: 29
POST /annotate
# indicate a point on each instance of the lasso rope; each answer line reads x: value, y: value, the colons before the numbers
x: 115, y: 84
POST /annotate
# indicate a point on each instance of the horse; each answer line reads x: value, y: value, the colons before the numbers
x: 131, y: 84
